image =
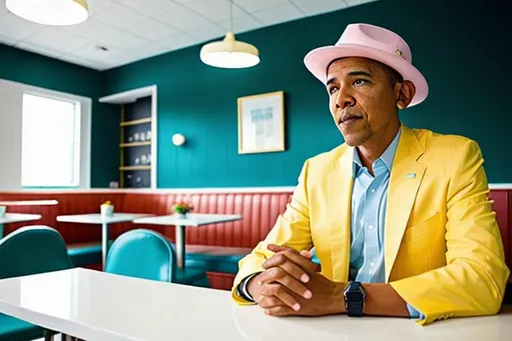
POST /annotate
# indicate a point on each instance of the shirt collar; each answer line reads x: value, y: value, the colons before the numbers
x: 386, y: 157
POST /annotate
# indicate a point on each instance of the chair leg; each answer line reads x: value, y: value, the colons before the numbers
x: 48, y: 335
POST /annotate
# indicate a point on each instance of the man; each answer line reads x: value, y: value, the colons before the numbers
x: 400, y: 219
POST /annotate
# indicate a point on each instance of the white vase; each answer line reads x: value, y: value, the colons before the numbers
x: 107, y: 210
x: 181, y: 215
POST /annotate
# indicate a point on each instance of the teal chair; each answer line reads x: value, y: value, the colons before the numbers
x: 147, y: 254
x: 30, y: 250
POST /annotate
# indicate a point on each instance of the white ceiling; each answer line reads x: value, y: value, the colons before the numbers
x: 138, y: 29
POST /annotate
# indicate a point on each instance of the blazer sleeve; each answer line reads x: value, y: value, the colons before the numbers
x: 473, y: 281
x: 291, y: 229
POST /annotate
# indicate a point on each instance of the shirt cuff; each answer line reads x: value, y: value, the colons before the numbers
x: 242, y: 288
x: 413, y: 313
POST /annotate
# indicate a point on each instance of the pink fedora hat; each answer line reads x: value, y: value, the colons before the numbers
x: 377, y: 43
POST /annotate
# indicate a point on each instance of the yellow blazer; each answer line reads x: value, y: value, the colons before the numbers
x: 443, y: 248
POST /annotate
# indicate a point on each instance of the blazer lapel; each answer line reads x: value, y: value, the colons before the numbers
x: 339, y: 203
x: 406, y: 177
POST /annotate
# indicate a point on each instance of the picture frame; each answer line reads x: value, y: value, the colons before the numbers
x: 261, y: 123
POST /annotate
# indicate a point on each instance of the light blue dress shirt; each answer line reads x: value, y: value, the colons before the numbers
x: 369, y: 202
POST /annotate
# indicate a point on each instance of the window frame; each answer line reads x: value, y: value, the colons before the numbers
x: 78, y: 138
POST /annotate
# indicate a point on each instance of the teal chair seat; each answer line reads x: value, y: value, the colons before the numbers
x: 192, y: 276
x: 83, y: 254
x: 147, y: 254
x: 13, y: 329
x: 215, y: 258
x: 28, y: 251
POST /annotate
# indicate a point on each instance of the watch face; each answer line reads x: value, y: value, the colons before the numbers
x: 354, y: 297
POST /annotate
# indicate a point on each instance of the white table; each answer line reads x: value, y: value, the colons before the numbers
x: 97, y: 306
x: 104, y: 221
x: 16, y: 218
x: 29, y: 203
x: 192, y: 219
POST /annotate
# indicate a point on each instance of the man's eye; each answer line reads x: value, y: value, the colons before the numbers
x: 333, y: 89
x: 359, y: 81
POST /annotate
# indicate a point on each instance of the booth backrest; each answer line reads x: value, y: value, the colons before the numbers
x: 259, y: 211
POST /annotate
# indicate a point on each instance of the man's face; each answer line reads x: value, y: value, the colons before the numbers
x: 362, y: 98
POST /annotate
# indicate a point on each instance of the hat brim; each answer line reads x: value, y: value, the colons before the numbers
x: 318, y: 59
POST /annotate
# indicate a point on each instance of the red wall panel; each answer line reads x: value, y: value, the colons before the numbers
x: 503, y: 208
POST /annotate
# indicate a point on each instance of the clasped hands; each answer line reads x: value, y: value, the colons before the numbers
x: 292, y: 285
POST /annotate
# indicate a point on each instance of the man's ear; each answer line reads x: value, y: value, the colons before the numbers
x: 405, y: 94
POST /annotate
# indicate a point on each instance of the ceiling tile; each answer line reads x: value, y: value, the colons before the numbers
x: 309, y: 7
x: 183, y: 19
x: 120, y: 16
x: 152, y: 30
x: 178, y: 41
x: 95, y: 6
x: 241, y: 24
x: 207, y: 32
x: 14, y: 27
x: 3, y: 9
x: 121, y: 59
x: 151, y: 7
x: 91, y: 29
x: 183, y: 1
x: 357, y: 2
x: 121, y: 40
x: 42, y: 50
x: 278, y: 14
x: 148, y: 50
x: 93, y: 53
x: 58, y: 40
x: 70, y: 58
x: 215, y: 10
x: 256, y: 5
x: 7, y: 41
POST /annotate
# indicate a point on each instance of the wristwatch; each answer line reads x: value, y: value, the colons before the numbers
x: 354, y: 299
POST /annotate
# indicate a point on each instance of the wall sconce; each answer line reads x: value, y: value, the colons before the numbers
x: 178, y: 139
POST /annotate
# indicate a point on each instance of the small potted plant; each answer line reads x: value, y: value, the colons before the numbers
x: 181, y: 208
x: 107, y: 209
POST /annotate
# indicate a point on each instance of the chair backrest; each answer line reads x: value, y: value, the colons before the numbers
x: 144, y: 254
x: 32, y: 250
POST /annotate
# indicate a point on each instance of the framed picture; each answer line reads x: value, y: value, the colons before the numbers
x: 261, y: 123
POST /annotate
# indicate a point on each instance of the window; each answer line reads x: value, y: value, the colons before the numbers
x: 50, y: 142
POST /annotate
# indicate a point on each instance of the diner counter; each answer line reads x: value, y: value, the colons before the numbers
x: 97, y: 306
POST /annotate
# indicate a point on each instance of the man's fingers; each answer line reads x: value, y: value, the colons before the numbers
x: 279, y: 275
x: 280, y: 260
x: 275, y: 295
x: 295, y: 257
x: 276, y: 248
x: 280, y: 311
x: 307, y: 254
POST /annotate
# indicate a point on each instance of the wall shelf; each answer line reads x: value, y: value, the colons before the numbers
x: 131, y: 168
x: 136, y: 122
x: 138, y: 128
x: 135, y: 144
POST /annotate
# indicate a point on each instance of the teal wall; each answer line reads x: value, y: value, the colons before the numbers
x: 29, y: 68
x: 456, y: 46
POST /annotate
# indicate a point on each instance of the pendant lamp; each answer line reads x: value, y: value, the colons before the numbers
x: 50, y: 12
x: 230, y: 53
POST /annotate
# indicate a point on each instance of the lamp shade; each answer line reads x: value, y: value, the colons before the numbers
x: 50, y: 12
x: 230, y: 54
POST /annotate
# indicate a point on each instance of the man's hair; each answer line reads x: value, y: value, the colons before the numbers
x: 393, y: 75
